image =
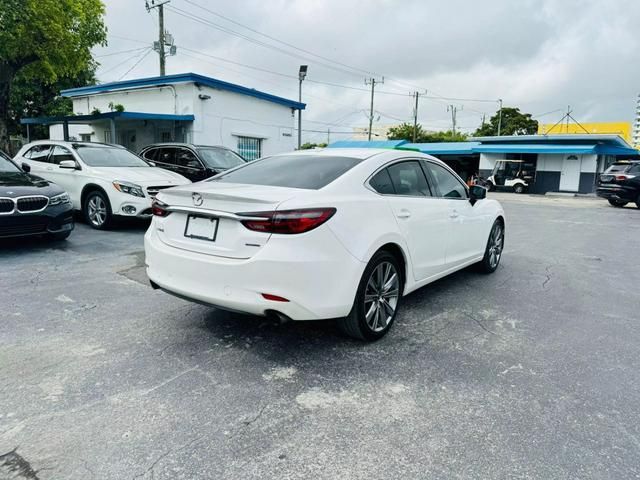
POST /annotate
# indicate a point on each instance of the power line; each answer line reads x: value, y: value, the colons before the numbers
x: 120, y: 52
x: 128, y: 59
x: 361, y: 71
x: 136, y: 64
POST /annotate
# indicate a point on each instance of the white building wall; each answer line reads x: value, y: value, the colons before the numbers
x: 56, y: 132
x: 488, y: 161
x: 219, y: 119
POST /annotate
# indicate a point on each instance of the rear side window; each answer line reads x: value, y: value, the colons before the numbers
x: 39, y: 153
x: 381, y: 183
x: 293, y: 171
x: 448, y: 185
x: 634, y: 169
x: 150, y: 154
x: 408, y: 179
x: 617, y: 168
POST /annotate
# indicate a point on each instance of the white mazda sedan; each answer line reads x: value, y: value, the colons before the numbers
x: 336, y: 233
x: 102, y: 180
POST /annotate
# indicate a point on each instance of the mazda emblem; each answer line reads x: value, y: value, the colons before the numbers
x: 197, y: 199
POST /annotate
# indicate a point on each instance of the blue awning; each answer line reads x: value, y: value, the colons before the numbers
x: 106, y: 116
x: 576, y: 149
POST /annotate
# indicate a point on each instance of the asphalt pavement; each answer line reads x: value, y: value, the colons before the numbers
x: 532, y: 372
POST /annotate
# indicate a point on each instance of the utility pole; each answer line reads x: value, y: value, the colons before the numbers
x: 372, y: 81
x: 164, y: 38
x: 454, y: 111
x: 302, y: 74
x: 415, y: 117
x: 500, y: 117
x: 328, y: 136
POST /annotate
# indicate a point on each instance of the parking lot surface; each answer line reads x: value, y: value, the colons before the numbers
x: 532, y: 372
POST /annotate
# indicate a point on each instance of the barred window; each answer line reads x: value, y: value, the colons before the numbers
x: 250, y: 148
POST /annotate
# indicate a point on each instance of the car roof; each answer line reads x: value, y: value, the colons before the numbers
x: 361, y: 153
x: 71, y: 142
x: 181, y: 144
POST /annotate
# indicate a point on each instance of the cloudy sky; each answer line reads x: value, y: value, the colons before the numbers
x: 539, y: 55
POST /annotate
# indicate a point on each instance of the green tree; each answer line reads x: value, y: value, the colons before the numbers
x: 404, y: 131
x: 514, y: 122
x: 38, y: 98
x: 45, y: 40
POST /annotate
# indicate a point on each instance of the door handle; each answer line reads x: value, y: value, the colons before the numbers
x: 403, y: 214
x: 49, y: 168
x: 454, y: 214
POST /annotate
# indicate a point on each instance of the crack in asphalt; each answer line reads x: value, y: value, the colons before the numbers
x: 548, y: 275
x: 481, y: 325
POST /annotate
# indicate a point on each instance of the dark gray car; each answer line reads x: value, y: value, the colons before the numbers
x: 195, y: 162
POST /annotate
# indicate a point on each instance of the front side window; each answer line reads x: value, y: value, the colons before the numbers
x: 217, y: 158
x: 39, y: 153
x: 59, y: 154
x: 250, y: 148
x: 109, y: 157
x: 166, y: 156
x: 447, y: 184
x: 186, y: 158
x: 293, y: 171
x: 408, y: 179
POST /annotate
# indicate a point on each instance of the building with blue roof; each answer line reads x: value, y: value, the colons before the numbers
x: 558, y: 163
x: 185, y: 107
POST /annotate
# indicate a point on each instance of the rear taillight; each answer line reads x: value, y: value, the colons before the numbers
x: 159, y: 209
x: 287, y: 221
x: 624, y: 177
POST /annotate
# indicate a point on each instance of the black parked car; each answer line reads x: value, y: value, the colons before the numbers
x: 620, y: 183
x: 196, y: 162
x: 30, y: 205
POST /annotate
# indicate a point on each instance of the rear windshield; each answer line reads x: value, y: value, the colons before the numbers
x: 294, y: 171
x: 617, y: 167
x: 219, y: 157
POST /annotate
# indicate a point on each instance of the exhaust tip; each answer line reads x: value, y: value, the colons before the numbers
x: 278, y: 317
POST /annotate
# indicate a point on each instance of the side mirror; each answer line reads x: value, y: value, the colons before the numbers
x: 70, y: 164
x: 476, y: 192
x: 25, y: 167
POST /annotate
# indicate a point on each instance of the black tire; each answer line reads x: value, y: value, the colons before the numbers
x: 58, y: 237
x: 98, y: 199
x: 518, y: 188
x: 638, y: 201
x: 488, y: 264
x: 618, y: 203
x: 356, y: 324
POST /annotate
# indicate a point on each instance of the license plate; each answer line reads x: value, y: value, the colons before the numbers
x: 202, y: 228
x: 606, y: 178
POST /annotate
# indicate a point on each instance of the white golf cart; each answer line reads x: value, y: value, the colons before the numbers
x: 510, y: 174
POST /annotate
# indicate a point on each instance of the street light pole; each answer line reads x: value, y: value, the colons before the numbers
x: 500, y: 117
x: 302, y: 73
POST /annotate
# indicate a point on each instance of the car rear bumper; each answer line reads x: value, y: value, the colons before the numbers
x: 617, y: 193
x: 313, y: 271
x: 57, y: 219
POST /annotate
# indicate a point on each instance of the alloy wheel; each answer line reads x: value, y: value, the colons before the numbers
x: 97, y: 210
x: 496, y: 243
x: 381, y: 296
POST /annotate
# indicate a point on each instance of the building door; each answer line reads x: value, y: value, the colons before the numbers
x: 570, y: 175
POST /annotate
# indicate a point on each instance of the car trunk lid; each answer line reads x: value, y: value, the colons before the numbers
x: 204, y: 218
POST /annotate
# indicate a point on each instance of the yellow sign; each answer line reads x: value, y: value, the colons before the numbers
x: 603, y: 128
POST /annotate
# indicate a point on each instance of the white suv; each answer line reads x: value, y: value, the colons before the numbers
x: 103, y: 180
